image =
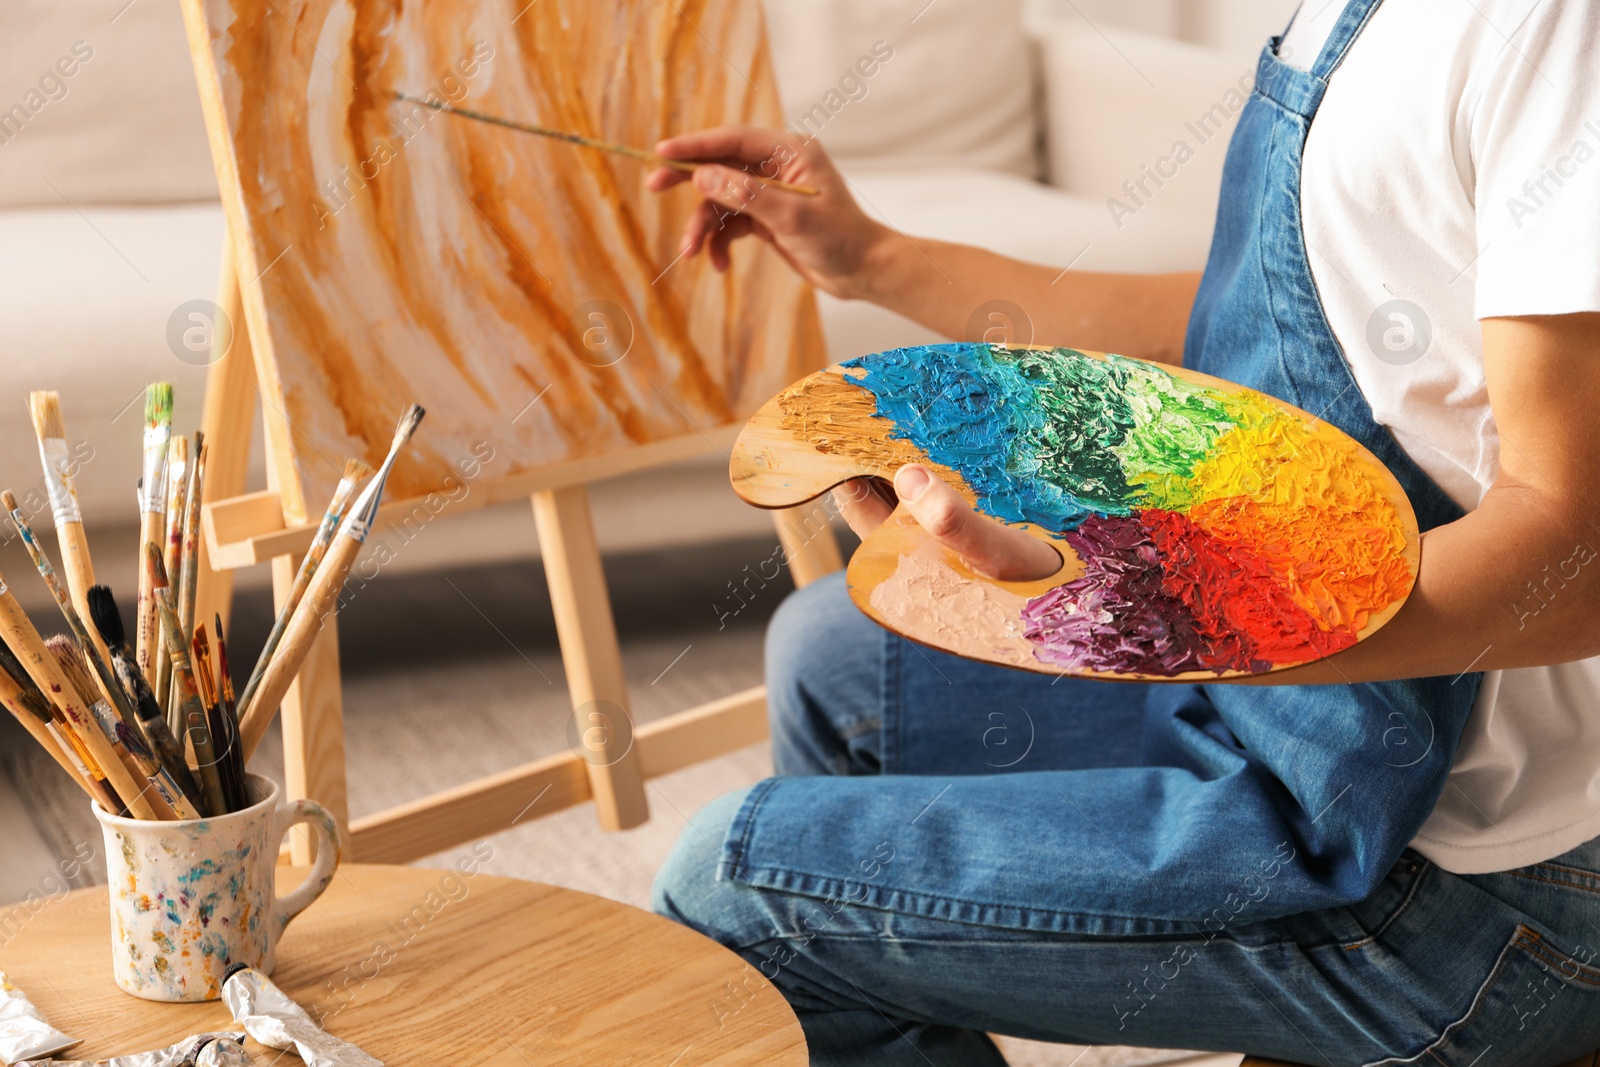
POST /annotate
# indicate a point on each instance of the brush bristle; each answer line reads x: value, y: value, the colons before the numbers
x: 67, y: 653
x: 45, y: 407
x: 158, y: 404
x: 105, y: 616
x: 357, y: 470
x: 408, y: 424
x: 8, y: 499
x: 178, y: 450
x: 32, y: 697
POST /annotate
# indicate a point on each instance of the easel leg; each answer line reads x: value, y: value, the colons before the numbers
x: 591, y: 655
x: 808, y: 542
x: 313, y: 724
x: 226, y: 421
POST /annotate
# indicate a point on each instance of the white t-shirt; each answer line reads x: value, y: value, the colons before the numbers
x: 1451, y: 174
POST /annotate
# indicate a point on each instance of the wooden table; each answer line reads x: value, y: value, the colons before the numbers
x: 422, y: 967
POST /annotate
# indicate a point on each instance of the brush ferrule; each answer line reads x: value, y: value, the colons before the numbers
x: 364, y: 512
x: 58, y: 480
x: 153, y: 492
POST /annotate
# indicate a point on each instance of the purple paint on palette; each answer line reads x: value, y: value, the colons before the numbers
x: 1115, y: 617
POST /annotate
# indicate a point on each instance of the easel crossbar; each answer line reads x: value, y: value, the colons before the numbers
x: 490, y: 805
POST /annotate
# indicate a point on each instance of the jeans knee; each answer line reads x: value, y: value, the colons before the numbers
x: 687, y: 890
x: 800, y: 635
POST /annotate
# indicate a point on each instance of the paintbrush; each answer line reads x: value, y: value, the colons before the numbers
x: 210, y: 696
x: 74, y: 720
x: 130, y: 748
x: 197, y: 731
x: 45, y: 407
x: 322, y: 596
x: 232, y: 744
x: 177, y: 493
x: 588, y: 142
x: 355, y: 471
x: 108, y: 621
x: 109, y: 685
x: 152, y: 517
x: 29, y: 707
x: 188, y: 578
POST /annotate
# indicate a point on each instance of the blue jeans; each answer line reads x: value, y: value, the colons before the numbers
x: 1431, y: 967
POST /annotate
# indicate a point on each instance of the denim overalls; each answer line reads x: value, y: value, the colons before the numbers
x: 1230, y: 781
x: 955, y: 849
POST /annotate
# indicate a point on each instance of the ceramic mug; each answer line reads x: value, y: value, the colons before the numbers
x: 189, y: 899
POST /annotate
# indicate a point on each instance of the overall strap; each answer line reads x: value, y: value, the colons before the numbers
x: 1351, y: 22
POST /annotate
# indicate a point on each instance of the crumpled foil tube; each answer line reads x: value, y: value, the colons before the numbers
x: 201, y: 1050
x: 275, y: 1020
x: 23, y: 1032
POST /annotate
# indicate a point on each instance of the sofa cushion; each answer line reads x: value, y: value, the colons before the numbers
x: 99, y: 105
x: 1137, y: 121
x: 89, y: 298
x: 947, y: 82
x: 1015, y: 217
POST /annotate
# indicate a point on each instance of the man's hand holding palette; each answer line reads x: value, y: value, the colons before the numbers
x: 1206, y: 530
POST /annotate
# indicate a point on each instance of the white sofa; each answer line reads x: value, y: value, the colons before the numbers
x: 979, y: 129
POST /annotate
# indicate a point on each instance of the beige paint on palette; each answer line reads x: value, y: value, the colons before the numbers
x: 402, y: 255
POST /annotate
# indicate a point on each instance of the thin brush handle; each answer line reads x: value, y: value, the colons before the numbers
x: 197, y: 728
x: 161, y: 738
x: 177, y: 482
x: 188, y: 584
x: 11, y: 696
x: 302, y: 581
x: 29, y: 647
x: 147, y: 635
x: 301, y: 634
x: 102, y: 669
x: 589, y: 142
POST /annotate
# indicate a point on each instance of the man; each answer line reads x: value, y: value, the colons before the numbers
x: 1388, y: 856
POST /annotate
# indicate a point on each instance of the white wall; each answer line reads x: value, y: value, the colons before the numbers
x: 1233, y: 25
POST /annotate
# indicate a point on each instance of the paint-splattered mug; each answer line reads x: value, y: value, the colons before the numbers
x: 189, y: 899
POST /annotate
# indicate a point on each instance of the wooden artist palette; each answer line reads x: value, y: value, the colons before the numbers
x: 1205, y: 529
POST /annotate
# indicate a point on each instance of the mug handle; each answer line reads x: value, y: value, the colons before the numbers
x: 291, y: 814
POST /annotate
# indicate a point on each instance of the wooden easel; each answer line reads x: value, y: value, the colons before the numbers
x: 275, y: 525
x: 243, y: 529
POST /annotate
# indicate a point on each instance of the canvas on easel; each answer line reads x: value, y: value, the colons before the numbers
x: 529, y: 293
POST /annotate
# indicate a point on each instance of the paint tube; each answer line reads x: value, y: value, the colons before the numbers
x: 201, y: 1050
x: 23, y: 1032
x: 269, y: 1015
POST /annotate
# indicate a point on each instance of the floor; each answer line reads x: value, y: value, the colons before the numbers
x: 483, y: 690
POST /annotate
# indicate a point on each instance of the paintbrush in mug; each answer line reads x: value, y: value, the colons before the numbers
x: 588, y: 142
x: 108, y: 621
x: 56, y: 458
x: 232, y: 743
x: 206, y: 683
x: 73, y: 718
x: 50, y: 728
x: 152, y: 517
x: 109, y: 685
x: 168, y: 799
x: 187, y: 580
x: 196, y: 728
x: 177, y: 493
x: 28, y: 706
x: 321, y: 598
x: 355, y: 471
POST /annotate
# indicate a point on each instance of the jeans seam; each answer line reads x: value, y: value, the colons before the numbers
x: 1525, y: 940
x: 1563, y: 883
x: 1478, y: 999
x: 1405, y: 905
